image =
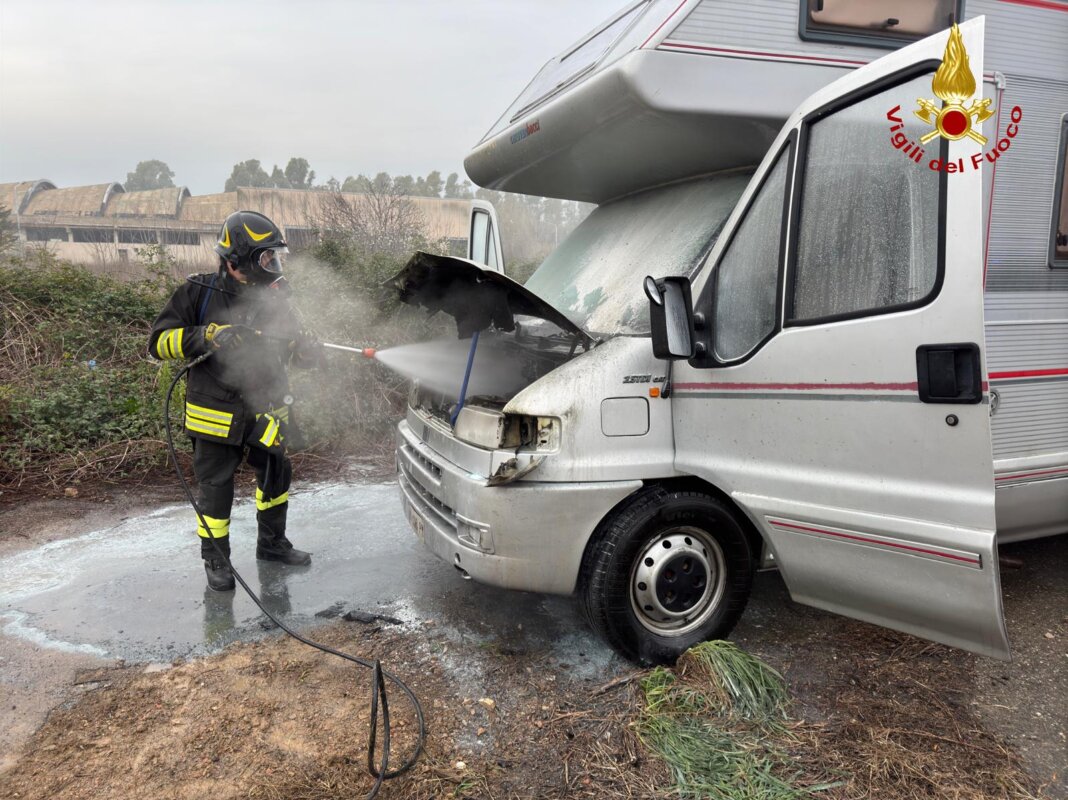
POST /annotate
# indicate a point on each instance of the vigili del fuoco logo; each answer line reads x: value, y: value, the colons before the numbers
x: 954, y: 85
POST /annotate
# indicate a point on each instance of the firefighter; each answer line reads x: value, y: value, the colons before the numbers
x: 237, y: 403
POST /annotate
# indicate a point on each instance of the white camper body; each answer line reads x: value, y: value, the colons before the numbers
x: 879, y: 386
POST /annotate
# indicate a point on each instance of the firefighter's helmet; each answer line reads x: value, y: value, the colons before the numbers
x: 251, y: 242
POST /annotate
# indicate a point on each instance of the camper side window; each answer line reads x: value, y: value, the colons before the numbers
x: 1058, y: 245
x: 867, y: 226
x: 480, y: 237
x: 747, y: 278
x: 876, y: 23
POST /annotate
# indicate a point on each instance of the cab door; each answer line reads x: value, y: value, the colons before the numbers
x: 840, y: 393
x: 484, y: 241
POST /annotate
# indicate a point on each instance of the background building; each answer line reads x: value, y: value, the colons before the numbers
x: 102, y: 226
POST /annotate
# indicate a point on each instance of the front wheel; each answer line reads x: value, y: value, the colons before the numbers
x: 666, y: 570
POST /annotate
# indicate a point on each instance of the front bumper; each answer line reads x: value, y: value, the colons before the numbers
x: 523, y: 535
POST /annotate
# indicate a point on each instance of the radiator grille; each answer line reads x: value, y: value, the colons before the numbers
x: 415, y: 469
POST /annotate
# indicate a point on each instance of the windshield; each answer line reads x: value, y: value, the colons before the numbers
x: 595, y: 275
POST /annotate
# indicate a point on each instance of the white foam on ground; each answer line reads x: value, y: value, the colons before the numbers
x: 16, y: 626
x: 164, y: 532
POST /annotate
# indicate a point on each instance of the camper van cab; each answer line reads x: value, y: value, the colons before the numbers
x: 798, y: 330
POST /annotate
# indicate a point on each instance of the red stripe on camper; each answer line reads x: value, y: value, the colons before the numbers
x: 1046, y: 4
x: 802, y: 387
x: 667, y: 43
x: 662, y: 24
x: 1040, y: 474
x: 987, y: 76
x: 855, y: 537
x: 1027, y: 373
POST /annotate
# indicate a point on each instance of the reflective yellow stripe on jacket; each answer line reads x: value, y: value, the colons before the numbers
x: 206, y: 420
x: 169, y: 344
x: 270, y: 436
x: 263, y: 504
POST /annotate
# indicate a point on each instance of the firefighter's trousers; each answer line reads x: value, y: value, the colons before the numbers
x: 214, y: 465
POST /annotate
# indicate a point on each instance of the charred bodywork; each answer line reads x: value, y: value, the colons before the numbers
x: 477, y: 298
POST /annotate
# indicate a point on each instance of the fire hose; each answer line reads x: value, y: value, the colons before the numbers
x: 379, y: 676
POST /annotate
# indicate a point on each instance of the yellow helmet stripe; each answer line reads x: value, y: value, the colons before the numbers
x: 257, y: 237
x: 225, y: 241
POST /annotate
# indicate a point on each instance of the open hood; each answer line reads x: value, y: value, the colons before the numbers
x: 474, y: 296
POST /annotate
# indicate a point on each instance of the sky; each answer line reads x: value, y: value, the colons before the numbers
x: 88, y: 89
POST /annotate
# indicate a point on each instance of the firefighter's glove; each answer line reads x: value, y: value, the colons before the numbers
x: 227, y: 337
x: 307, y: 349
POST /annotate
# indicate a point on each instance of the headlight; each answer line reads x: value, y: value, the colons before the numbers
x: 495, y: 430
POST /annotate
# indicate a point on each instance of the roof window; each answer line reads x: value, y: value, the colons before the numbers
x: 876, y: 23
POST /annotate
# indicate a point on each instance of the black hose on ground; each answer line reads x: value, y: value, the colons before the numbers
x: 378, y: 675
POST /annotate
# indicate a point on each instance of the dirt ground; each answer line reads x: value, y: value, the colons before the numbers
x: 274, y: 719
x: 882, y: 715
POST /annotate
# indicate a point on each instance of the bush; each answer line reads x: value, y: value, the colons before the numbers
x: 75, y: 375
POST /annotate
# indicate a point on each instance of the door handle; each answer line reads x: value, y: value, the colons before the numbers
x: 949, y: 373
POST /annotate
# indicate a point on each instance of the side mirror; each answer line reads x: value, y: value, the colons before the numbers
x: 671, y: 317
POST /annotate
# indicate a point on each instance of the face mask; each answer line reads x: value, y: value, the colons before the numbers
x: 267, y: 267
x: 270, y: 260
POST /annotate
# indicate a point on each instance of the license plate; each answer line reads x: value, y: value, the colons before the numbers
x: 418, y: 525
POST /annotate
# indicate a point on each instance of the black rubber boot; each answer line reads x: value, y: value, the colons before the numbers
x: 220, y: 579
x: 271, y: 542
x: 282, y: 552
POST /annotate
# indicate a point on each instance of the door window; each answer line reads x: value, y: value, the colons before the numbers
x: 480, y: 226
x: 867, y: 233
x: 747, y: 279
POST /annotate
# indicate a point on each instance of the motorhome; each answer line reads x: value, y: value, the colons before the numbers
x: 818, y: 321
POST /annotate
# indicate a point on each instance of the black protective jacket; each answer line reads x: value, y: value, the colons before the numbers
x: 228, y: 392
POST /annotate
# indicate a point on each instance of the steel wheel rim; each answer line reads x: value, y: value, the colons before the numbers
x: 666, y: 594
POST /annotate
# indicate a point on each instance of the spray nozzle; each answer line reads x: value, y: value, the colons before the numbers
x: 366, y: 352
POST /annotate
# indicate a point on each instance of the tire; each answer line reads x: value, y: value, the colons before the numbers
x: 664, y: 571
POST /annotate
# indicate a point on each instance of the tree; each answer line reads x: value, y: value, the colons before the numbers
x: 247, y: 173
x: 278, y: 179
x: 299, y: 173
x: 404, y: 184
x: 382, y: 221
x: 433, y: 184
x: 358, y: 184
x: 152, y: 174
x: 456, y: 190
x: 381, y: 184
